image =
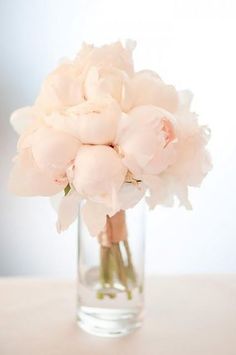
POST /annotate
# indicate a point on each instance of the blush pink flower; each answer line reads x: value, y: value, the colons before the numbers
x: 146, y: 138
x: 26, y: 179
x: 70, y: 84
x: 98, y: 172
x: 192, y: 161
x: 97, y: 176
x: 62, y: 88
x: 42, y: 152
x: 48, y: 150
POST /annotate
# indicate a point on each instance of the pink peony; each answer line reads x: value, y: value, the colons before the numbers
x: 62, y: 88
x: 98, y: 172
x: 192, y: 161
x: 70, y: 83
x: 48, y: 150
x: 42, y: 152
x: 147, y: 140
x: 98, y: 176
x: 26, y: 179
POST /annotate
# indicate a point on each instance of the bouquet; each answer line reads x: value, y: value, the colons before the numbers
x: 105, y: 136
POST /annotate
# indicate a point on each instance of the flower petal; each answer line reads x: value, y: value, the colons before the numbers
x: 95, y: 216
x: 97, y: 122
x: 146, y: 136
x: 98, y: 171
x: 149, y: 89
x: 26, y: 179
x: 68, y: 210
x: 21, y: 119
x: 62, y: 88
x: 129, y: 195
x: 54, y: 151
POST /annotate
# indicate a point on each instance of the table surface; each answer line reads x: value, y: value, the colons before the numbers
x: 185, y: 315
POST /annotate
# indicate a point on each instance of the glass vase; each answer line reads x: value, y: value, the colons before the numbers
x: 111, y: 274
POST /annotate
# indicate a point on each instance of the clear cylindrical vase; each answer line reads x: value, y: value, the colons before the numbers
x: 111, y: 274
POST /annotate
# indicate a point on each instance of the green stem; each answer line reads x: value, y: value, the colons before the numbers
x: 106, y: 273
x: 130, y: 268
x: 121, y: 270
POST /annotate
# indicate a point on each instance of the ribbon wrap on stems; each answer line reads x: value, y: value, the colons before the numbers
x: 115, y: 257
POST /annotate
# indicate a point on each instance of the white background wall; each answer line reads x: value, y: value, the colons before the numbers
x: 190, y: 44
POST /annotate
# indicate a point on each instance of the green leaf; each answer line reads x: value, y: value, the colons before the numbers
x: 67, y: 189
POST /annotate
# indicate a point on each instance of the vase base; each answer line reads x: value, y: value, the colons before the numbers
x: 108, y: 322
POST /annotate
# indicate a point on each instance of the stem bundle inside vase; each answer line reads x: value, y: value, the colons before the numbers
x: 116, y: 267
